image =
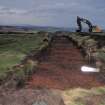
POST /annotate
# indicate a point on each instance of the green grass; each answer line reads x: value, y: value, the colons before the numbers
x: 9, y: 59
x: 13, y: 48
x: 100, y: 90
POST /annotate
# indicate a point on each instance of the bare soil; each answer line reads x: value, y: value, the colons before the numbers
x: 60, y: 68
x: 28, y: 96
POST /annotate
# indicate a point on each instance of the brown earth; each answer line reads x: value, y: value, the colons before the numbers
x: 60, y: 66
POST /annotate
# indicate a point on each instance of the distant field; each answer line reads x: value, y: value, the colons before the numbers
x: 14, y: 47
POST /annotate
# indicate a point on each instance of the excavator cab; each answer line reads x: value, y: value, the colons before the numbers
x: 91, y: 27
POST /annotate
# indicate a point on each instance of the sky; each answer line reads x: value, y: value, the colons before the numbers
x: 59, y: 13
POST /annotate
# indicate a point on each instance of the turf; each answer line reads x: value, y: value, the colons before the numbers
x: 14, y: 47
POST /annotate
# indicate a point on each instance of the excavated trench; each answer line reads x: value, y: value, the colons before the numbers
x: 60, y: 66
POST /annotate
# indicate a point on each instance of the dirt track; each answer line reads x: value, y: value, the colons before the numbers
x: 59, y: 68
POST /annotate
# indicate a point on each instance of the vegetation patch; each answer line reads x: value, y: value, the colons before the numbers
x: 80, y: 96
x: 14, y: 48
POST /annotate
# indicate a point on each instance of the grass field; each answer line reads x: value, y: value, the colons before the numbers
x: 14, y: 47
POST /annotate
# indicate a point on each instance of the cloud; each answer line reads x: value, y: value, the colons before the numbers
x: 19, y: 16
x: 52, y: 12
x: 11, y: 11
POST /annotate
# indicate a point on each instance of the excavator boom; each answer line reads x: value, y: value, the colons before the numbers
x: 79, y: 20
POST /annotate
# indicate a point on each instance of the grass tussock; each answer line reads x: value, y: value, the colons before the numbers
x: 79, y: 96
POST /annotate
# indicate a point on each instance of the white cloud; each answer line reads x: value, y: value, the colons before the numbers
x: 11, y: 11
x: 52, y: 12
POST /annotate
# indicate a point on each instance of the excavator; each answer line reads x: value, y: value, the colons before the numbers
x: 91, y: 27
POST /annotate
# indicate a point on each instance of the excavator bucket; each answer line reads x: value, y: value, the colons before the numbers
x: 96, y: 29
